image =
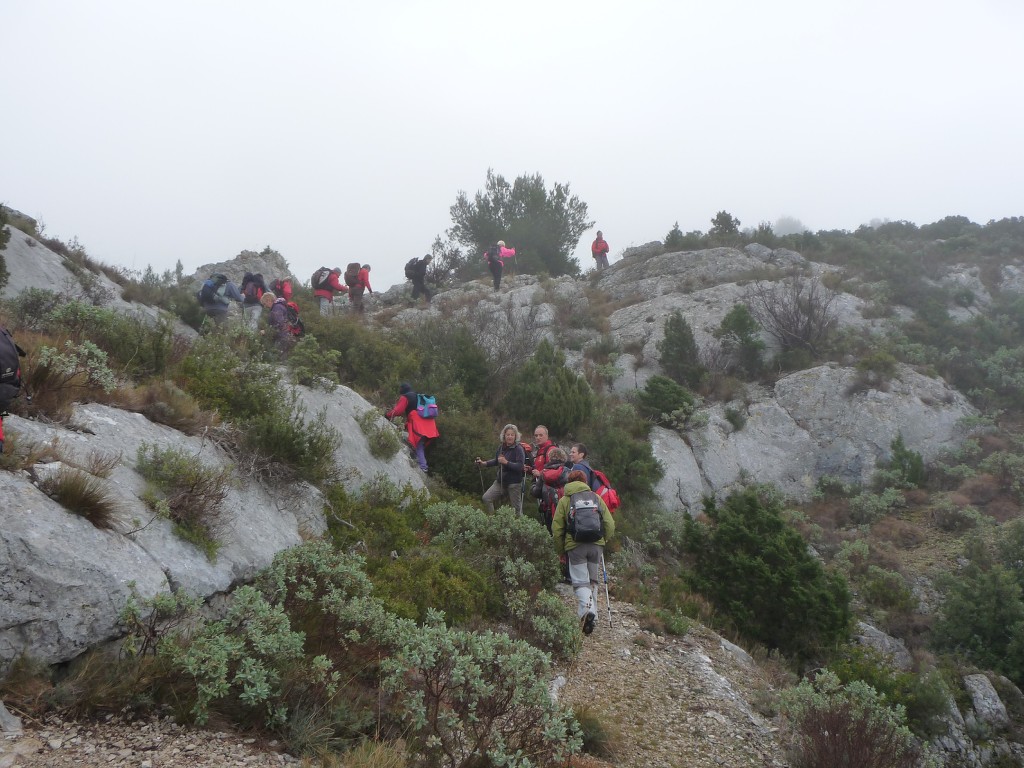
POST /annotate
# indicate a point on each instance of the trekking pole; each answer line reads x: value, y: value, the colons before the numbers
x: 607, y: 599
x: 522, y: 494
x: 481, y: 471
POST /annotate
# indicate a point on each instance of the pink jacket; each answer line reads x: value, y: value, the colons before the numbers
x: 506, y: 253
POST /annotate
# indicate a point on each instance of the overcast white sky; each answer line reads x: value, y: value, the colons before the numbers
x: 340, y: 131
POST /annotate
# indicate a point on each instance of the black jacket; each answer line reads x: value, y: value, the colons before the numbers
x: 511, y: 473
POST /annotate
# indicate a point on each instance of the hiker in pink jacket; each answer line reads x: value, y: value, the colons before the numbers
x: 495, y: 257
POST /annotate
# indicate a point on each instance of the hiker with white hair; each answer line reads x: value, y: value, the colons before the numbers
x: 495, y: 257
x: 510, y: 459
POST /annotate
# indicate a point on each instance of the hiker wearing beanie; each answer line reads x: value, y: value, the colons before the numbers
x: 418, y: 430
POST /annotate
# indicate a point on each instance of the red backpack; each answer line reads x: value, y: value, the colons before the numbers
x: 605, y: 490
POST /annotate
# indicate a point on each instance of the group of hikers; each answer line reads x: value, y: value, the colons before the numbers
x: 218, y: 292
x: 574, y: 501
x: 494, y: 257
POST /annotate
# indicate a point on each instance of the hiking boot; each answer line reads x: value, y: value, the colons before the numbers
x: 588, y: 623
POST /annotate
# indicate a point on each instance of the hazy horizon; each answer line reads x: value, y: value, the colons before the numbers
x: 193, y: 131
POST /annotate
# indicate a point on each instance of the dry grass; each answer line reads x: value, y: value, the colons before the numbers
x: 22, y: 454
x: 81, y: 494
x: 369, y: 754
x: 164, y: 403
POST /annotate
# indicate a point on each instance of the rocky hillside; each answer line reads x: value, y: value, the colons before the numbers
x: 65, y: 582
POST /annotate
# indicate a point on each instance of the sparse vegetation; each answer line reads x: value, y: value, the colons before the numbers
x: 82, y: 494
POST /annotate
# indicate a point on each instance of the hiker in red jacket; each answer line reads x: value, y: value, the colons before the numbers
x: 599, y: 250
x: 361, y: 284
x: 418, y: 429
x: 326, y: 291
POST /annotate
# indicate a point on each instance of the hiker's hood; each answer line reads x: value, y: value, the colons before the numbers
x: 575, y: 487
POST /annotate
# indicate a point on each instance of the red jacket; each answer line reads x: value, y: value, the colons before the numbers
x: 334, y: 285
x: 416, y: 426
x: 364, y: 280
x: 600, y: 246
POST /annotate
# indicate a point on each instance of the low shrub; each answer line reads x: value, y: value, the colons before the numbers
x: 288, y: 439
x: 836, y: 724
x: 545, y: 621
x: 191, y: 493
x: 313, y: 365
x: 82, y: 494
x: 384, y: 440
x: 924, y: 697
x: 378, y: 517
x: 866, y: 508
x: 467, y: 697
x: 431, y: 579
x: 59, y: 378
x: 514, y: 548
x: 239, y: 663
x: 164, y: 403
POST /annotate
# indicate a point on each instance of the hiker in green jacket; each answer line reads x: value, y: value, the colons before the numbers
x: 581, y: 526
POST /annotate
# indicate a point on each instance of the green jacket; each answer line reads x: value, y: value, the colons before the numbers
x: 563, y: 541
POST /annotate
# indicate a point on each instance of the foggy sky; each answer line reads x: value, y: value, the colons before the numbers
x: 338, y: 131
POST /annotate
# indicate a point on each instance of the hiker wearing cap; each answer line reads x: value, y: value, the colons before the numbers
x: 358, y: 286
x: 417, y: 272
x: 495, y: 257
x: 327, y: 289
x: 510, y: 459
x: 419, y: 430
x: 599, y: 250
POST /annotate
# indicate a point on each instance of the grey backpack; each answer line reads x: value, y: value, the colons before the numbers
x: 585, y: 523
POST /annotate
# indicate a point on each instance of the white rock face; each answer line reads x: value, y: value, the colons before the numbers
x: 808, y: 427
x: 30, y: 264
x: 63, y: 582
x: 988, y: 707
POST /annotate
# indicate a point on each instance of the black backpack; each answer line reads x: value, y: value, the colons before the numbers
x: 319, y: 277
x: 585, y: 524
x: 352, y: 273
x: 494, y: 254
x: 10, y: 369
x: 410, y: 268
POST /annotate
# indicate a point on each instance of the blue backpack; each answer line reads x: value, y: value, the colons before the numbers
x: 426, y: 406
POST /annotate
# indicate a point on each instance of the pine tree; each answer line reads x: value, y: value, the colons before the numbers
x: 679, y: 357
x: 545, y: 392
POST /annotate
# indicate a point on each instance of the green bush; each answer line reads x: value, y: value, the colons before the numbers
x: 665, y: 402
x: 378, y: 516
x: 431, y: 579
x: 514, y: 548
x: 904, y: 470
x: 471, y: 696
x: 836, y: 724
x: 384, y: 440
x: 617, y: 439
x: 288, y: 439
x: 982, y: 619
x: 466, y: 432
x: 678, y: 353
x: 241, y: 661
x: 545, y: 621
x: 739, y: 334
x: 313, y: 365
x: 545, y: 391
x: 867, y: 508
x: 925, y: 698
x: 757, y: 571
x: 192, y: 493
